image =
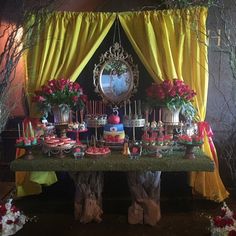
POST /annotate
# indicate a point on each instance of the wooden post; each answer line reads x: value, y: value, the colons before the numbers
x: 145, y: 192
x: 88, y: 196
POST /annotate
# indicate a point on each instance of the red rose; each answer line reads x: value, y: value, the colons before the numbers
x: 3, y: 210
x: 52, y: 83
x: 75, y: 98
x: 219, y: 221
x: 172, y: 92
x: 61, y: 87
x: 84, y: 98
x: 76, y: 86
x: 229, y: 221
x: 16, y: 221
x: 234, y: 215
x: 135, y: 150
x: 14, y: 209
x: 9, y: 222
x: 232, y: 233
x: 167, y: 85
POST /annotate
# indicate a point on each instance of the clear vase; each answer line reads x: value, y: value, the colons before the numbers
x: 170, y: 116
x: 61, y: 114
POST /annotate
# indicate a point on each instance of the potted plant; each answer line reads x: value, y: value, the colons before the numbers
x: 174, y: 95
x: 60, y: 96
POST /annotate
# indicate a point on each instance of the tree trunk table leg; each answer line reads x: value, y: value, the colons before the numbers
x: 88, y: 196
x: 145, y: 193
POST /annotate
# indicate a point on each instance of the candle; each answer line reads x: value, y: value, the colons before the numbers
x: 31, y: 131
x: 93, y: 107
x: 129, y: 109
x: 76, y: 116
x: 87, y: 107
x: 125, y: 108
x: 154, y: 114
x: 139, y: 108
x: 159, y: 114
x: 81, y: 115
x: 23, y: 129
x: 135, y: 108
x: 146, y: 116
x: 70, y: 116
x: 18, y: 130
x: 100, y: 107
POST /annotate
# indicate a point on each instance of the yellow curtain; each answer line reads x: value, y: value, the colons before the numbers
x: 65, y: 41
x: 172, y: 44
x: 62, y: 44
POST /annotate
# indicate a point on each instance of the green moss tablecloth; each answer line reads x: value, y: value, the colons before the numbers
x: 173, y: 161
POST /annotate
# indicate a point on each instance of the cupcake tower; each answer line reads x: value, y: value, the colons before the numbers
x: 133, y: 114
x: 96, y: 116
x: 154, y: 135
x: 55, y: 145
x: 76, y: 125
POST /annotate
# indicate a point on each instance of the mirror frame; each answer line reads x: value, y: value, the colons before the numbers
x: 115, y: 53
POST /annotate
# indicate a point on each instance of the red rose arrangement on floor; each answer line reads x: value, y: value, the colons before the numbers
x: 225, y: 223
x: 11, y: 219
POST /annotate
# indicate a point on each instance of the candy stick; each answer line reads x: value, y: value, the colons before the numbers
x: 154, y: 114
x: 81, y: 115
x: 87, y: 107
x: 76, y: 116
x: 18, y: 130
x: 93, y: 108
x: 70, y: 117
x: 135, y: 108
x: 129, y: 109
x: 125, y: 108
x: 146, y: 116
x: 159, y: 114
x: 23, y: 128
x: 139, y: 107
x: 31, y: 131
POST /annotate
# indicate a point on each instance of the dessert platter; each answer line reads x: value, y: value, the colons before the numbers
x: 53, y: 145
x: 97, y: 152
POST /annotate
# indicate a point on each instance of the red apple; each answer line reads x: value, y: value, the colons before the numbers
x: 114, y: 119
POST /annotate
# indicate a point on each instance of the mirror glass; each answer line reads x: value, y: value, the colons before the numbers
x: 116, y: 80
x: 115, y: 77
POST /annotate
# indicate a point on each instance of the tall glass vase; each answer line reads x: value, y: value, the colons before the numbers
x: 61, y: 114
x: 170, y: 116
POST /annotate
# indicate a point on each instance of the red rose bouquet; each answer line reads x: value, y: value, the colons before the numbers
x: 60, y: 92
x: 11, y: 219
x: 225, y: 223
x: 174, y: 94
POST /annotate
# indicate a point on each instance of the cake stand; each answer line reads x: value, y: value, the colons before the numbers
x: 78, y: 131
x: 156, y: 150
x: 28, y: 150
x: 133, y: 123
x: 189, y: 149
x: 60, y: 151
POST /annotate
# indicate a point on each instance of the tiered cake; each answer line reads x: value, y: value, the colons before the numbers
x: 114, y: 130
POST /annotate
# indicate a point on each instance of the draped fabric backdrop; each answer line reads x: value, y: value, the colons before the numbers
x: 173, y: 44
x: 170, y: 43
x: 63, y: 43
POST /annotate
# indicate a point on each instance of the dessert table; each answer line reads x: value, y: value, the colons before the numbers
x: 143, y: 176
x: 173, y: 161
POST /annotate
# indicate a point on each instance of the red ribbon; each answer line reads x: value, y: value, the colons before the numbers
x: 205, y: 128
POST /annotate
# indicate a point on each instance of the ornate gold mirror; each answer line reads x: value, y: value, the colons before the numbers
x: 115, y: 77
